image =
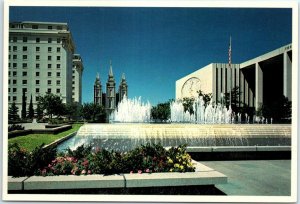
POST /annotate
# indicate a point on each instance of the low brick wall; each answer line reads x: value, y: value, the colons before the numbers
x: 55, y: 130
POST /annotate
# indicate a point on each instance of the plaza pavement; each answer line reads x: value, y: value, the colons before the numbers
x: 254, y: 177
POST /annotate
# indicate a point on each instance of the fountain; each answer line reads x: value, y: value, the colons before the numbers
x: 209, y: 126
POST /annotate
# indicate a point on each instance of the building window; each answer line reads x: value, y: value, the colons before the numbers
x: 37, y: 98
x: 37, y: 90
x: 24, y: 57
x: 9, y: 65
x: 14, y: 73
x: 15, y: 39
x: 15, y: 57
x: 9, y: 81
x: 24, y: 82
x: 58, y: 49
x: 58, y: 58
x: 9, y: 48
x: 49, y: 58
x: 25, y: 90
x: 15, y: 48
x: 49, y: 49
x: 24, y: 73
x: 49, y: 74
x: 24, y: 39
x: 37, y: 66
x: 37, y: 40
x: 49, y: 27
x: 58, y: 66
x: 49, y: 40
x: 49, y: 66
x: 57, y: 90
x: 57, y: 74
x: 8, y: 73
x: 14, y: 98
x: 14, y: 65
x: 58, y: 82
x: 37, y: 74
x: 8, y: 98
x: 14, y: 90
x: 8, y: 56
x: 73, y: 82
x: 35, y: 27
x: 24, y: 48
x: 59, y: 27
x: 49, y: 82
x: 37, y: 82
x: 49, y: 91
x: 37, y: 49
x: 58, y: 40
x: 24, y: 65
x: 8, y: 89
x: 37, y: 57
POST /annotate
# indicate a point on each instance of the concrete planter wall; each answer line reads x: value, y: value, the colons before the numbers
x: 203, y: 176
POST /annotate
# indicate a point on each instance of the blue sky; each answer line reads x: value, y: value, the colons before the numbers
x: 154, y: 47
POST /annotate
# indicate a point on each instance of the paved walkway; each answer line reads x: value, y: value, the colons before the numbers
x: 254, y: 177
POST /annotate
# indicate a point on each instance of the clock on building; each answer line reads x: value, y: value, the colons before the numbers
x: 191, y: 87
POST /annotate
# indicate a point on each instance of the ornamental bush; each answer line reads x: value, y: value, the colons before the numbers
x: 148, y: 158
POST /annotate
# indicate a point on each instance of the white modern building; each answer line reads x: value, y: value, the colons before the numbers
x: 41, y: 59
x: 260, y: 80
x: 77, y: 78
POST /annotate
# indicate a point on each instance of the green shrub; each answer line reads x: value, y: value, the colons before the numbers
x: 15, y: 127
x: 24, y: 163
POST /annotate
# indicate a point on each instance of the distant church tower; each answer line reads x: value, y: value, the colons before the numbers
x: 110, y: 104
x: 98, y: 91
x: 123, y: 88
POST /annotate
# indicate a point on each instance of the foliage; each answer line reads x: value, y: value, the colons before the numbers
x: 30, y: 109
x: 147, y: 158
x: 24, y: 163
x: 13, y: 113
x: 280, y: 110
x: 161, y: 112
x: 72, y: 110
x: 52, y: 104
x: 206, y: 97
x: 188, y: 104
x: 23, y: 112
x: 235, y: 95
x: 15, y: 127
x: 39, y: 110
x: 93, y: 112
x: 31, y: 141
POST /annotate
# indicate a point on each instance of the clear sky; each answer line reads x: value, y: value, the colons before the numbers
x: 154, y: 47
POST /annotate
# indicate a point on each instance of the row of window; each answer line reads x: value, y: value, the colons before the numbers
x: 50, y: 27
x: 37, y: 90
x: 37, y: 82
x: 25, y: 49
x: 37, y: 74
x: 37, y: 65
x: 37, y: 40
x: 37, y: 57
x: 14, y: 98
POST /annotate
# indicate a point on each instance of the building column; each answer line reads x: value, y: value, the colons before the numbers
x: 258, y: 86
x: 215, y: 82
x: 287, y: 76
x: 242, y: 90
x: 219, y: 82
x: 246, y: 92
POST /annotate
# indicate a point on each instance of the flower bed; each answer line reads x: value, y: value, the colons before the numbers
x: 83, y: 161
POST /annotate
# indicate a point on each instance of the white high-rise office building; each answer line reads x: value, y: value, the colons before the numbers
x: 41, y: 60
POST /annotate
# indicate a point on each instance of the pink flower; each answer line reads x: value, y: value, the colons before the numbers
x: 49, y: 166
x: 140, y: 171
x: 89, y: 172
x: 147, y: 171
x: 131, y: 172
x: 83, y: 171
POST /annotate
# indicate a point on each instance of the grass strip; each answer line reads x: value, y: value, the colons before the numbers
x: 31, y: 141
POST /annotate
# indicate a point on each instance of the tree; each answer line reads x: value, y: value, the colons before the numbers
x: 188, y: 104
x: 161, y: 112
x: 23, y: 113
x: 206, y: 97
x: 39, y: 111
x: 52, y: 104
x: 93, y: 112
x: 13, y: 113
x: 73, y: 110
x: 30, y: 109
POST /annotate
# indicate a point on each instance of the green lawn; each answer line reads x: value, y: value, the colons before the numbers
x: 31, y: 141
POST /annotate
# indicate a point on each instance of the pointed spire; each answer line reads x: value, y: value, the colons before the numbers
x: 123, y: 76
x: 98, y: 76
x: 110, y: 69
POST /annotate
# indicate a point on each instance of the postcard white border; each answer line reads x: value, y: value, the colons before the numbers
x: 169, y: 3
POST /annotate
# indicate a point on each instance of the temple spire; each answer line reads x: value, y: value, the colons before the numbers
x: 110, y: 69
x: 123, y: 76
